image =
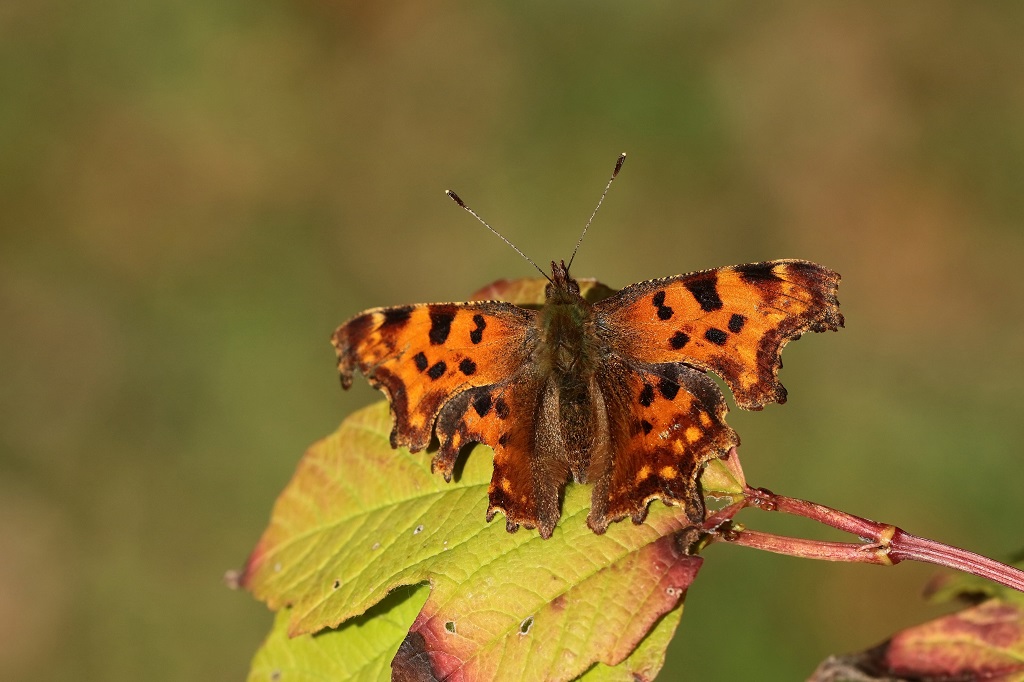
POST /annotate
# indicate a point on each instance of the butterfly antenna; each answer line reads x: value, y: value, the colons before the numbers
x: 460, y: 202
x: 618, y: 166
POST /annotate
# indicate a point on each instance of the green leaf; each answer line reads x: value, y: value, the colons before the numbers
x: 723, y: 482
x: 360, y: 519
x: 361, y: 649
x: 646, y: 660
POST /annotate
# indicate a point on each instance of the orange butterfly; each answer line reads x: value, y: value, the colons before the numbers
x: 613, y: 393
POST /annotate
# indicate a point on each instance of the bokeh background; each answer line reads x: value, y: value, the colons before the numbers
x: 194, y: 194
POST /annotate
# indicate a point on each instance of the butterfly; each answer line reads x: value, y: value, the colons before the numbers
x: 614, y: 393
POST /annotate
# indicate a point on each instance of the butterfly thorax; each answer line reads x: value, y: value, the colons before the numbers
x: 564, y: 322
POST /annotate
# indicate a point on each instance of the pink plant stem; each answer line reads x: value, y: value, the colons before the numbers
x: 769, y: 501
x: 882, y: 543
x: 852, y: 552
x: 907, y: 546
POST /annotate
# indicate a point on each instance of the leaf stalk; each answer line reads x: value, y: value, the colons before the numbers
x: 880, y: 543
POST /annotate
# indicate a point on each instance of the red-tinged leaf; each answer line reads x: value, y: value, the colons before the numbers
x: 362, y: 648
x: 985, y: 642
x: 596, y: 620
x: 360, y: 519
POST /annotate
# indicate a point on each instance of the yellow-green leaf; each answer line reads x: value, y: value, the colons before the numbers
x: 360, y: 519
x: 360, y: 650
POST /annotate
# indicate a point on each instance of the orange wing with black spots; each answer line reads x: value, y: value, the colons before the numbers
x: 422, y: 356
x: 612, y: 393
x: 524, y: 486
x: 733, y: 321
x: 668, y: 420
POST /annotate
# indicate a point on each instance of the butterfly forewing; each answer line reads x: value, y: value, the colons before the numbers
x: 423, y: 355
x: 733, y: 321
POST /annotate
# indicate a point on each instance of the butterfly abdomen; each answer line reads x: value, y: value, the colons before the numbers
x: 568, y: 358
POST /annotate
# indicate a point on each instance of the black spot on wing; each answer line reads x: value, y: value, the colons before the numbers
x: 646, y: 395
x: 716, y: 336
x: 664, y: 311
x: 646, y: 426
x: 467, y: 367
x: 705, y: 292
x: 757, y: 272
x: 396, y: 316
x: 501, y: 408
x: 440, y: 326
x: 668, y: 388
x: 678, y: 340
x: 503, y: 439
x: 482, y: 403
x: 421, y: 361
x: 476, y: 335
x: 736, y: 323
x: 437, y: 370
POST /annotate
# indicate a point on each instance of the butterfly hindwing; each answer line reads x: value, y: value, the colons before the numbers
x: 733, y: 321
x: 507, y: 417
x: 667, y: 421
x: 423, y: 355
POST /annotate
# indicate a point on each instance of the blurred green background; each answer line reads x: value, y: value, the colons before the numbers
x: 194, y: 194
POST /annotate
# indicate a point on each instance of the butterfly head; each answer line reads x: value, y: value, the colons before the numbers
x: 562, y: 288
